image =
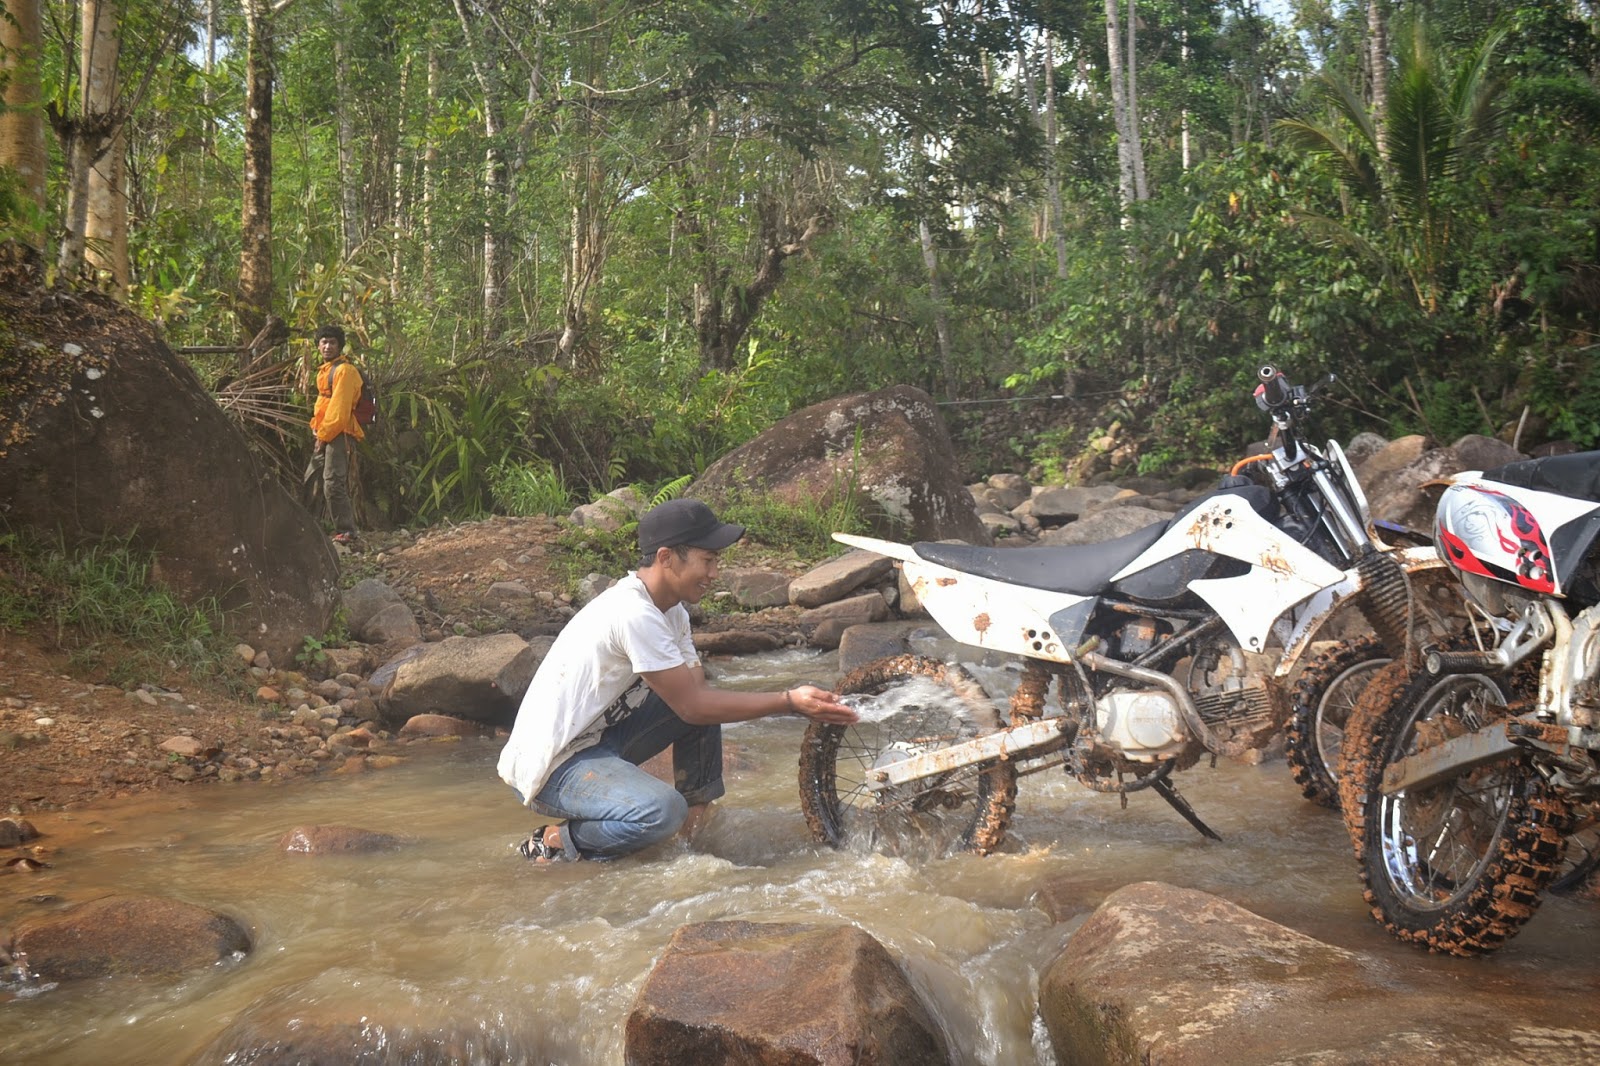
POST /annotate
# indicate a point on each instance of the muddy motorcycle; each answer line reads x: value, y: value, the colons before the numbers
x: 1139, y: 655
x: 1471, y: 785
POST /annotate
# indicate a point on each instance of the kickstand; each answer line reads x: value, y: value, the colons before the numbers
x: 1169, y: 792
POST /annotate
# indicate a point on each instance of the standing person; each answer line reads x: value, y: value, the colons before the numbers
x: 622, y: 683
x: 334, y: 423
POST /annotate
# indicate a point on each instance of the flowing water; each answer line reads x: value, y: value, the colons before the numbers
x: 454, y: 933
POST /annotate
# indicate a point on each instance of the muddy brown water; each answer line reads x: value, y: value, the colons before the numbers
x: 543, y: 963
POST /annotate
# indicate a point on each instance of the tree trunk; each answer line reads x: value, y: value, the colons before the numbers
x: 1058, y: 222
x: 494, y: 180
x: 349, y: 179
x: 1119, y: 108
x: 85, y: 135
x: 1136, y: 142
x: 397, y: 192
x: 941, y: 321
x: 105, y: 215
x: 430, y: 165
x: 255, y: 222
x: 22, y: 145
x: 1378, y: 61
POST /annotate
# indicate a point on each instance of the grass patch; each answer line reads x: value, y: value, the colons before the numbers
x: 101, y: 605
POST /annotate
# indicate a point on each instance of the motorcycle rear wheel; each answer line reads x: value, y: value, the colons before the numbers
x: 939, y: 705
x: 1324, y: 696
x: 1460, y: 866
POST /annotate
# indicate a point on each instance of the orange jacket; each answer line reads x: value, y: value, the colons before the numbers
x: 336, y: 401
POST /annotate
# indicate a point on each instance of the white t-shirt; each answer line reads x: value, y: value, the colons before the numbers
x: 599, y: 655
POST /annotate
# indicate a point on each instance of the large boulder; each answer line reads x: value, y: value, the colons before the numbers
x: 890, y: 446
x: 128, y: 936
x: 769, y: 994
x: 1160, y: 976
x: 105, y: 434
x: 481, y: 679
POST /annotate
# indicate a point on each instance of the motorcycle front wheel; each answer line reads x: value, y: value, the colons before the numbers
x: 1461, y: 865
x: 1324, y: 696
x: 909, y: 706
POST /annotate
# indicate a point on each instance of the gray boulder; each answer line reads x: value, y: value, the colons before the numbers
x: 1399, y: 495
x: 838, y: 577
x: 481, y: 679
x: 1103, y: 525
x: 890, y: 447
x: 1477, y: 452
x: 377, y: 615
x: 768, y: 994
x: 1062, y: 504
x: 756, y: 588
x: 106, y: 434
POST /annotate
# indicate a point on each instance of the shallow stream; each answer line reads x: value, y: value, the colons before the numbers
x: 542, y: 964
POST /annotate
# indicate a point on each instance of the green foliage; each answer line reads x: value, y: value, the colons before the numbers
x: 1565, y: 390
x: 103, y: 604
x: 530, y: 488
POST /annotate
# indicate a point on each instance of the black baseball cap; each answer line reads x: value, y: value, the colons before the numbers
x: 685, y: 523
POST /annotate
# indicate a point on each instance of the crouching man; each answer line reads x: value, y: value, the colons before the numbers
x: 622, y: 683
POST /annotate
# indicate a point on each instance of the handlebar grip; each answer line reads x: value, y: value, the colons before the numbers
x: 1275, y: 388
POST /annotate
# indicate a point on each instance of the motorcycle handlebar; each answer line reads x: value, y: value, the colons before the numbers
x: 1275, y: 389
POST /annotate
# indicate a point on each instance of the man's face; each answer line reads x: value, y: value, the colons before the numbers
x: 329, y: 347
x: 693, y: 574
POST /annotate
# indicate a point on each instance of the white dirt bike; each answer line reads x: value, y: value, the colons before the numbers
x: 1164, y: 645
x: 1472, y: 784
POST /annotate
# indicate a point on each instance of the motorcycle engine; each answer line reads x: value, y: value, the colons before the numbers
x: 1144, y: 725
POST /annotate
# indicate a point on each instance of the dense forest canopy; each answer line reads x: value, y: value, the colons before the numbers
x: 599, y: 241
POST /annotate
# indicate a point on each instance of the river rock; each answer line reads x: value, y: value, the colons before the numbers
x: 478, y: 678
x: 1400, y: 452
x: 737, y: 642
x: 334, y: 840
x: 128, y: 935
x: 889, y: 447
x: 1399, y: 495
x: 1160, y: 975
x: 861, y: 644
x: 756, y: 588
x: 1008, y: 490
x: 1363, y: 446
x: 1103, y: 525
x: 1477, y: 452
x: 14, y: 831
x: 838, y: 577
x: 1063, y: 504
x: 440, y: 725
x: 769, y: 994
x: 303, y: 1028
x: 867, y: 607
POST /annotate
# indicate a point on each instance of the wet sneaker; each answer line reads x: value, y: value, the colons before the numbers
x: 344, y: 538
x: 536, y: 850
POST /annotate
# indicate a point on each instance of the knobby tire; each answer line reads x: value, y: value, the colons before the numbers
x: 841, y: 811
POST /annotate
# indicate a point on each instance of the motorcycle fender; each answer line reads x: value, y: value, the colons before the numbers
x: 991, y: 614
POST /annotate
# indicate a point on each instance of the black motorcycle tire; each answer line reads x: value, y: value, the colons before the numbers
x: 1582, y: 856
x: 1324, y: 695
x: 842, y: 812
x: 1510, y: 859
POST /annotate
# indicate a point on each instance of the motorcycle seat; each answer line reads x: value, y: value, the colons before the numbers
x: 1576, y: 475
x: 1078, y: 569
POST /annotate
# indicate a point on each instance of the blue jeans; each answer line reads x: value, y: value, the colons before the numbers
x: 612, y: 807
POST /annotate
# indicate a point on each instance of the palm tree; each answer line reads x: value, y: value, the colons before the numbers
x: 1438, y: 123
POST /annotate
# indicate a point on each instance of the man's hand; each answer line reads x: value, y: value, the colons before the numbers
x: 820, y: 705
x: 321, y: 444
